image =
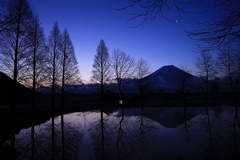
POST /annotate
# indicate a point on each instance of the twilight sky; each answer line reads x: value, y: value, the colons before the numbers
x: 160, y: 42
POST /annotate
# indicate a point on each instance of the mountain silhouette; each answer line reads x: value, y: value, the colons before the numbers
x: 169, y: 78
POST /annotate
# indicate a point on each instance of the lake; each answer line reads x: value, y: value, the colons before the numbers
x: 176, y: 133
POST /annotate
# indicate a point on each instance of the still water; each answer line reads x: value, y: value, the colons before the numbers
x: 135, y: 133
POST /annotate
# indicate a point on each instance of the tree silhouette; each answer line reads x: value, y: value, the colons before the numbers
x: 142, y: 70
x: 101, y: 69
x: 228, y: 62
x: 206, y: 69
x: 150, y: 10
x: 183, y: 83
x: 70, y: 72
x: 54, y: 49
x: 210, y: 33
x: 36, y: 58
x: 123, y: 68
x: 4, y: 22
x: 221, y: 29
x: 14, y: 45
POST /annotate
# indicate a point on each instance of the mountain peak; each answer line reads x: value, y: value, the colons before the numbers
x: 166, y: 71
x: 168, y: 74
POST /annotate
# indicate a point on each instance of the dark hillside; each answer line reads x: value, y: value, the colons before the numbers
x: 24, y: 94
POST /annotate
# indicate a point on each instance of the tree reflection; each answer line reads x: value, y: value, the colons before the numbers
x: 54, y: 139
x: 233, y: 141
x: 71, y: 138
x: 121, y: 137
x: 209, y: 143
x: 33, y: 142
x: 133, y: 135
x: 223, y: 137
x: 126, y: 142
x: 185, y: 127
x: 102, y: 136
x: 146, y: 127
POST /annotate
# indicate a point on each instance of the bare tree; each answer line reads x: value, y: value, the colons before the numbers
x: 123, y: 68
x: 5, y: 18
x: 36, y: 59
x: 206, y: 69
x: 229, y: 64
x: 142, y: 70
x: 101, y: 68
x: 151, y: 9
x: 14, y: 46
x: 54, y: 49
x: 70, y: 72
x: 184, y: 78
x: 218, y: 29
x: 221, y: 29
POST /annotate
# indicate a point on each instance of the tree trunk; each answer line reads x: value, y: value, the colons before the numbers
x: 14, y: 97
x: 34, y: 79
x: 53, y: 79
x: 63, y: 84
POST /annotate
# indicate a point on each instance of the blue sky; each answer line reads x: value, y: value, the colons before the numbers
x: 160, y: 42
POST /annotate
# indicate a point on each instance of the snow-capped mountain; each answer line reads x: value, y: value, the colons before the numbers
x: 170, y: 78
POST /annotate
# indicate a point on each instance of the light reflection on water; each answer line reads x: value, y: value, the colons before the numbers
x: 135, y: 133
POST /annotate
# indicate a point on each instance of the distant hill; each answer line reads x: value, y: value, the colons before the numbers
x: 23, y: 93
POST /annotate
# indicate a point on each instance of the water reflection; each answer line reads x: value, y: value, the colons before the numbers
x: 101, y: 134
x: 185, y: 129
x: 55, y: 139
x: 209, y: 142
x: 233, y: 137
x: 125, y: 143
x: 135, y: 133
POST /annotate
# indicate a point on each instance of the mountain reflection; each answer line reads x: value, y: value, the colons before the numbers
x: 185, y: 128
x: 146, y: 126
x: 134, y: 133
x: 125, y: 140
